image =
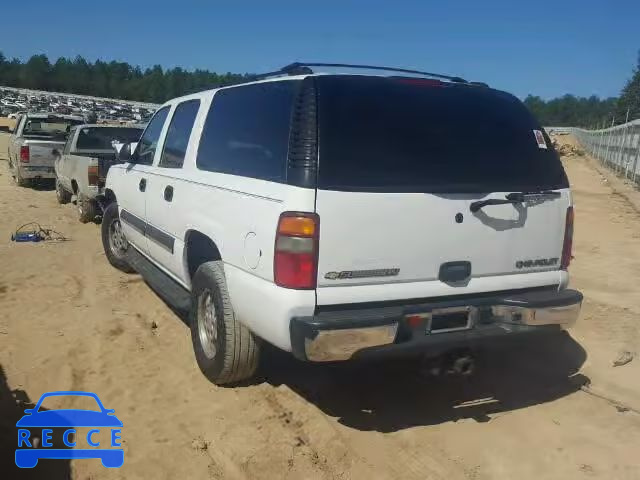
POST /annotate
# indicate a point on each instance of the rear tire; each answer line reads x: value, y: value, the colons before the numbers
x: 86, y: 210
x: 21, y: 182
x: 226, y: 350
x: 61, y: 194
x: 113, y: 240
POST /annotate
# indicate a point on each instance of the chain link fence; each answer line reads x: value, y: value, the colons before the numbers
x: 617, y: 147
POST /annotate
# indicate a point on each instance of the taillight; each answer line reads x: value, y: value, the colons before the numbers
x: 92, y: 172
x: 24, y: 154
x: 295, y: 263
x: 567, y: 246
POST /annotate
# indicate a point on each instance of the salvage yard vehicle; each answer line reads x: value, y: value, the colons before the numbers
x: 33, y: 142
x: 340, y: 215
x: 81, y: 166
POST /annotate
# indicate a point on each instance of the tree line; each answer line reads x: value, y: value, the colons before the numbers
x: 592, y: 112
x: 108, y: 79
x: 156, y: 85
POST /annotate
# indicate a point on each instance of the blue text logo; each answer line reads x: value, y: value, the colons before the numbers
x: 102, y: 438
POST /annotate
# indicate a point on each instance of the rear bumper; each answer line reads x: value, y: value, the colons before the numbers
x: 40, y: 171
x: 341, y: 333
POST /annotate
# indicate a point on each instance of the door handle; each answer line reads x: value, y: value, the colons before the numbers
x: 142, y: 186
x: 168, y: 193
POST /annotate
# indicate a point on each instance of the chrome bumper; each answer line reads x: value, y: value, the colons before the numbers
x: 30, y: 172
x: 339, y: 335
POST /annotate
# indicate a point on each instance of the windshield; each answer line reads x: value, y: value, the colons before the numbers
x: 50, y: 127
x: 404, y: 134
x: 103, y: 138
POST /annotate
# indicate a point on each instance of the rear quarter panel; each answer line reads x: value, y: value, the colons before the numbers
x: 240, y: 215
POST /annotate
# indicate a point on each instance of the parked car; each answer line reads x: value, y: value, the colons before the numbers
x: 33, y: 142
x: 81, y: 166
x: 342, y: 215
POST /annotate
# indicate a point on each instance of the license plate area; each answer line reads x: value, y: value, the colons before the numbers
x: 452, y: 319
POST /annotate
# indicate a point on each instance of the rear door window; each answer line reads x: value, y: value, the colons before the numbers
x: 404, y: 134
x: 177, y: 140
x: 247, y: 131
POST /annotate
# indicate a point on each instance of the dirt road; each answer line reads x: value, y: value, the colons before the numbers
x: 71, y: 322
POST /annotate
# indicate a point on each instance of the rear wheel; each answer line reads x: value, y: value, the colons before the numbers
x: 61, y: 194
x: 86, y: 210
x: 114, y: 242
x: 21, y: 182
x: 226, y: 351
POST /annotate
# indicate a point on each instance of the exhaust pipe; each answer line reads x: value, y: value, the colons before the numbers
x: 457, y: 362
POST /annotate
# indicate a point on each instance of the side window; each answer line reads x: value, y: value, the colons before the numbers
x: 247, y: 131
x: 149, y: 142
x: 177, y: 139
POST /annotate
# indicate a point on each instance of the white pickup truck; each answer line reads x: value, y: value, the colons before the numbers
x: 33, y: 142
x: 341, y: 215
x: 81, y: 167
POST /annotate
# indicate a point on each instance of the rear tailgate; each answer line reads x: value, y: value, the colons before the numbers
x: 401, y: 162
x: 41, y: 152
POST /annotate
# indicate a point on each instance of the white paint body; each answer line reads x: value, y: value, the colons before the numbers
x: 358, y: 231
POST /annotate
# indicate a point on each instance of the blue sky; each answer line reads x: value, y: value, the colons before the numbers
x: 546, y: 48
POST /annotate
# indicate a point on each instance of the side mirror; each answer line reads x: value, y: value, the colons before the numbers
x: 28, y: 411
x: 56, y: 152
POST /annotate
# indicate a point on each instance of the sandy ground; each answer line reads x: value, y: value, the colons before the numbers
x: 7, y: 122
x: 70, y: 321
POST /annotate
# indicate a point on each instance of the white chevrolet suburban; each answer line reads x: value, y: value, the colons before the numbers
x: 336, y: 215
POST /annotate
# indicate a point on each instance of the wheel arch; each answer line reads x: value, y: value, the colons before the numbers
x: 198, y: 249
x: 109, y: 196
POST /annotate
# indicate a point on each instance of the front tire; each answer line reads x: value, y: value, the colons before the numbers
x: 61, y: 194
x: 226, y: 350
x: 114, y: 242
x: 86, y: 210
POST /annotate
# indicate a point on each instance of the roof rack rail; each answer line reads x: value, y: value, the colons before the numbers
x: 302, y: 68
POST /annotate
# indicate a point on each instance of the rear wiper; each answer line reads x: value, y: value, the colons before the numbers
x: 515, y: 197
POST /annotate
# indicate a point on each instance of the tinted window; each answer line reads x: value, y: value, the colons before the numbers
x: 103, y: 138
x: 177, y: 140
x: 48, y: 127
x: 247, y: 131
x: 149, y: 142
x: 411, y: 135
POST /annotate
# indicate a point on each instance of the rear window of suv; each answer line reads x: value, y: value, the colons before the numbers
x: 412, y: 135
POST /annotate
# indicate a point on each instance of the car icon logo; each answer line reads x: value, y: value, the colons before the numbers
x: 100, y: 422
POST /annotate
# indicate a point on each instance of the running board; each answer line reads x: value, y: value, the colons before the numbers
x: 167, y: 288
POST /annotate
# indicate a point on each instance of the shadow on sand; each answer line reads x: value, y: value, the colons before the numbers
x: 388, y: 395
x: 12, y: 406
x: 392, y: 395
